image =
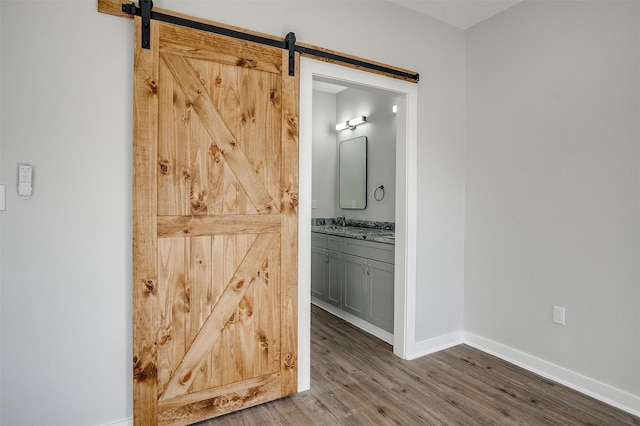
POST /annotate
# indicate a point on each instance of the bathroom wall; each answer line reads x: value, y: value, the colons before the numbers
x: 325, y: 160
x: 380, y: 129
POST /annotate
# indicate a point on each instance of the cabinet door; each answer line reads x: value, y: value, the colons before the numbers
x: 334, y: 279
x: 319, y: 273
x: 354, y: 278
x: 380, y: 294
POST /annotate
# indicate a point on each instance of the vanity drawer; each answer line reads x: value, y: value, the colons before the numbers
x: 318, y: 240
x: 369, y: 249
x: 334, y: 243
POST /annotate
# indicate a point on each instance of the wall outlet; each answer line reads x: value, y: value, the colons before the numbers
x: 558, y: 315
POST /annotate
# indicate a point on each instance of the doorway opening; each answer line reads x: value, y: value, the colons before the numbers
x: 405, y: 202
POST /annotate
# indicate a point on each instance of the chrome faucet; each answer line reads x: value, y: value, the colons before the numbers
x: 342, y: 220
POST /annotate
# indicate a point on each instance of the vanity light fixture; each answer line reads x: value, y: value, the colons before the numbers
x: 351, y: 124
x: 342, y: 126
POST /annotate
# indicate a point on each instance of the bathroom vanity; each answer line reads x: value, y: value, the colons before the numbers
x: 352, y: 275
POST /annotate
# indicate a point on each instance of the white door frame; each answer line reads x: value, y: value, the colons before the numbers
x: 406, y: 202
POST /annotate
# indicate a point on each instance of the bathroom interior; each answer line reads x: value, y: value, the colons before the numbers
x: 353, y: 204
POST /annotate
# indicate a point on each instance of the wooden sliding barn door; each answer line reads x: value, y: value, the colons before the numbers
x: 215, y: 225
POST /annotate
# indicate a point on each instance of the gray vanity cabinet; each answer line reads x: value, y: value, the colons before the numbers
x: 355, y: 276
x: 368, y: 281
x: 355, y: 285
x: 326, y: 268
x: 319, y: 272
x: 380, y: 295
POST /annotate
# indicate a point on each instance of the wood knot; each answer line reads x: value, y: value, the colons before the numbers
x: 246, y: 305
x: 164, y: 167
x: 186, y: 175
x: 264, y: 342
x: 185, y: 378
x: 153, y: 85
x: 218, y: 81
x: 198, y: 204
x: 294, y: 200
x: 143, y: 372
x: 149, y: 285
x: 239, y: 284
x: 272, y: 96
x: 215, y: 153
x: 247, y: 63
x: 292, y: 127
x: 186, y: 231
x: 289, y: 361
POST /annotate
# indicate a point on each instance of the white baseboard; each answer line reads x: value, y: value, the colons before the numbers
x: 123, y: 422
x: 598, y: 390
x: 429, y: 346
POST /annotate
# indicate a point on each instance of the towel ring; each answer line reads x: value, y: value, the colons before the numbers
x: 375, y: 193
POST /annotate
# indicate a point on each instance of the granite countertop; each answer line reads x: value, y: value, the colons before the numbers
x: 386, y: 236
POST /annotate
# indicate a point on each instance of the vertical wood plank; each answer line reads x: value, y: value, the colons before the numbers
x: 145, y: 276
x: 168, y: 168
x: 245, y: 344
x: 228, y: 338
x: 249, y: 122
x: 199, y: 144
x: 223, y: 186
x: 272, y: 129
x: 289, y: 237
x: 200, y: 300
x: 172, y: 277
x: 267, y: 307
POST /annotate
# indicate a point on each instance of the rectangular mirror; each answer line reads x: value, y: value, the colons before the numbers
x: 353, y: 173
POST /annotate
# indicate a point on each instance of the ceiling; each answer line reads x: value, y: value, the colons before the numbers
x: 459, y: 13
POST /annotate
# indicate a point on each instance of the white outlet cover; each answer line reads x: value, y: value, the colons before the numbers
x: 558, y: 315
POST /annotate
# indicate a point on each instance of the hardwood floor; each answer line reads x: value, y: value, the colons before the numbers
x: 356, y: 380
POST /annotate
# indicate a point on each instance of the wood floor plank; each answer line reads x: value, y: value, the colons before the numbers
x: 356, y: 380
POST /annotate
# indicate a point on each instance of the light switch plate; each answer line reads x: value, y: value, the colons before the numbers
x: 25, y: 174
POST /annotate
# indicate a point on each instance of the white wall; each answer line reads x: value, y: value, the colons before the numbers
x: 380, y: 130
x: 552, y: 190
x: 325, y: 160
x: 66, y: 252
x: 66, y: 107
x: 66, y: 320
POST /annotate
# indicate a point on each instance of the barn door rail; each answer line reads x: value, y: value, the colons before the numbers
x: 146, y: 12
